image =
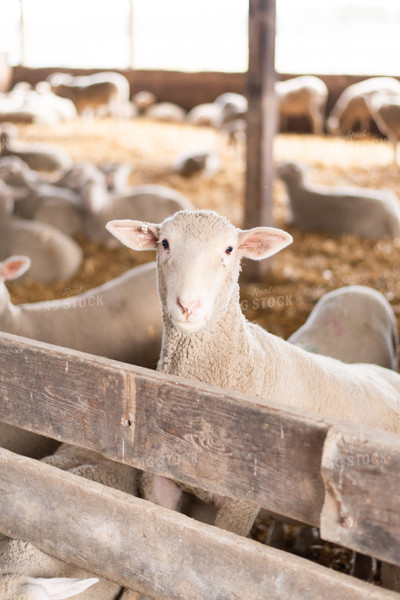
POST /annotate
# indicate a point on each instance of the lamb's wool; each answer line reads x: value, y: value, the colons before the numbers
x: 230, y: 352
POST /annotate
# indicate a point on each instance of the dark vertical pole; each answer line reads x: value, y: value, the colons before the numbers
x: 261, y: 119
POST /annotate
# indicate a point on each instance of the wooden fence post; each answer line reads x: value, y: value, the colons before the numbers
x: 261, y: 120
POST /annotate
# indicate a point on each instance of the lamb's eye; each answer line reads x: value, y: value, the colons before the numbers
x: 229, y: 250
x: 165, y: 244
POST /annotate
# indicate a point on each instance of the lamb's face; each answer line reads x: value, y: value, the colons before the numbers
x: 198, y: 258
x: 198, y: 266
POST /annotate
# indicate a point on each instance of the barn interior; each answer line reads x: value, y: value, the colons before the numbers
x: 150, y: 147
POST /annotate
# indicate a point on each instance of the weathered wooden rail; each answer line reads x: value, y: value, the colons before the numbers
x: 320, y: 471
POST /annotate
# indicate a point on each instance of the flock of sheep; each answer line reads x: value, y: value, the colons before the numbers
x: 341, y: 364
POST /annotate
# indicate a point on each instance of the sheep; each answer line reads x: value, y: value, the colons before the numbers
x: 41, y: 157
x: 39, y: 105
x: 207, y: 338
x: 27, y: 573
x: 385, y: 110
x: 139, y: 202
x: 95, y: 92
x: 305, y: 95
x: 116, y: 175
x: 166, y: 112
x: 119, y: 319
x: 53, y: 254
x: 190, y: 162
x: 207, y: 114
x: 14, y: 171
x: 344, y: 210
x: 353, y: 324
x: 351, y: 106
x: 143, y: 100
x: 231, y: 106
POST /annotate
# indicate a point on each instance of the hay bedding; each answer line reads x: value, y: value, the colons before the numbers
x: 299, y: 276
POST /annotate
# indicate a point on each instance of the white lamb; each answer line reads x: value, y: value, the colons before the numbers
x: 138, y: 202
x: 340, y: 209
x: 107, y: 91
x: 351, y: 106
x: 41, y: 157
x: 119, y: 319
x: 15, y: 172
x: 305, y: 95
x: 385, y: 110
x: 355, y: 324
x: 166, y: 112
x: 207, y: 338
x: 53, y: 254
x: 27, y: 573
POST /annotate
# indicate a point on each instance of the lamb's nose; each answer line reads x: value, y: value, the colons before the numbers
x: 188, y: 308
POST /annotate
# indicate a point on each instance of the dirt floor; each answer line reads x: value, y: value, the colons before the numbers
x: 298, y: 277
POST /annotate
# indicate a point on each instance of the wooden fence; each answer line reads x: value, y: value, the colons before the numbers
x: 320, y: 471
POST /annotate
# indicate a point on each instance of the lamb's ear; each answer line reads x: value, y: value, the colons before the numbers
x: 58, y: 588
x: 14, y: 267
x: 137, y: 235
x: 261, y: 242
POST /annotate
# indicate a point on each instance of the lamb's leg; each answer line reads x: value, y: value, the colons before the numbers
x: 237, y: 516
x: 316, y: 119
x: 161, y: 491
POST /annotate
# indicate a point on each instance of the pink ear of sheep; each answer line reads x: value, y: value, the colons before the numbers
x: 14, y: 267
x: 58, y: 588
x: 262, y: 242
x: 137, y: 235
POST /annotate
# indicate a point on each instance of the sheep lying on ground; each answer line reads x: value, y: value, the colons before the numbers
x: 231, y: 106
x: 107, y: 91
x: 352, y: 324
x: 385, y: 110
x: 119, y: 319
x: 143, y: 100
x: 204, y: 114
x: 25, y: 105
x: 346, y: 210
x: 40, y: 157
x: 351, y: 106
x: 207, y: 338
x: 166, y: 112
x: 195, y: 161
x: 15, y: 172
x: 53, y: 254
x: 27, y: 573
x: 305, y: 95
x: 141, y: 201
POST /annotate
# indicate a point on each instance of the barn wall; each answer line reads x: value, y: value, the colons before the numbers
x: 186, y: 89
x: 189, y: 89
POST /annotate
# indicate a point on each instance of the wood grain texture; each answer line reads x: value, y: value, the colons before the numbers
x: 151, y: 549
x: 361, y: 472
x: 221, y: 441
x: 262, y: 116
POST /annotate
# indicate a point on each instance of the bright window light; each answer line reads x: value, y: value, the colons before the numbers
x: 338, y: 36
x: 313, y: 36
x: 210, y: 35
